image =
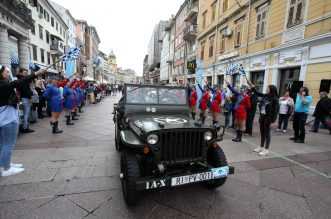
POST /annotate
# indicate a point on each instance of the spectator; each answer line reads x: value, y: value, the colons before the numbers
x: 34, y: 103
x: 227, y: 108
x: 286, y: 105
x: 40, y: 88
x: 251, y: 113
x: 268, y: 116
x: 9, y: 119
x: 25, y: 95
x: 301, y: 109
x: 90, y: 92
x: 322, y: 110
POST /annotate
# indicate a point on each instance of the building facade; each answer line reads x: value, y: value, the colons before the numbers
x: 112, y: 62
x: 15, y: 21
x: 81, y: 28
x: 154, y: 52
x: 166, y: 64
x: 285, y: 43
x: 48, y: 38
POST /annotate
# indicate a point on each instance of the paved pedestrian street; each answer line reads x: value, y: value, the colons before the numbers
x: 76, y: 175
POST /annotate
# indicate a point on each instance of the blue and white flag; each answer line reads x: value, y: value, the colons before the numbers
x: 72, y: 54
x: 199, y: 78
x: 236, y: 69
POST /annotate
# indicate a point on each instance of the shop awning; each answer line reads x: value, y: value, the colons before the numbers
x: 88, y: 78
x: 50, y: 70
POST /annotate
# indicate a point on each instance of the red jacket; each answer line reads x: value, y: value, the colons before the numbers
x: 204, y: 101
x: 216, y: 104
x: 62, y: 83
x: 244, y: 105
x: 193, y: 98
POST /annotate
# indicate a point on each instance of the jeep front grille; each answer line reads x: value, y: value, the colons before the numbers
x: 181, y: 146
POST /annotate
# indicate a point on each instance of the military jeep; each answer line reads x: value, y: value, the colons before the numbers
x: 161, y: 146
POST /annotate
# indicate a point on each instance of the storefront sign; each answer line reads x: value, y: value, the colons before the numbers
x: 227, y: 56
x: 191, y: 65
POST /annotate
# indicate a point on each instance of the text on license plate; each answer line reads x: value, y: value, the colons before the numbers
x: 213, y: 174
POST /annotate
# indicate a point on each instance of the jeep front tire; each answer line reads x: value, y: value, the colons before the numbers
x: 118, y: 142
x: 131, y: 173
x: 215, y: 158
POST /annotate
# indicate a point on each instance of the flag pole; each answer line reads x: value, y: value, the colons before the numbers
x: 49, y: 66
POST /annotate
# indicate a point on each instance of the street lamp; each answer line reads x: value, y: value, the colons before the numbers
x: 94, y: 67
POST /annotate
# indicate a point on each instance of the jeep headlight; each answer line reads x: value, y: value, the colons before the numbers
x: 152, y: 139
x: 208, y: 136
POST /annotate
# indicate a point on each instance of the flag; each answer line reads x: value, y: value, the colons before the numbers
x: 236, y: 69
x: 71, y: 54
x: 199, y: 78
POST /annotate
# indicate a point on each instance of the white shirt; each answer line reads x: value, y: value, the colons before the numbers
x: 283, y: 105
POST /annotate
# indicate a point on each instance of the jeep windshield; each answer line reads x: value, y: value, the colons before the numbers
x: 156, y: 95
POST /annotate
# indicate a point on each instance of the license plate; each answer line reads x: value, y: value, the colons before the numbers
x: 215, y: 173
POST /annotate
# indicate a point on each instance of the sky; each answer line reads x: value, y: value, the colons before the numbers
x: 124, y: 26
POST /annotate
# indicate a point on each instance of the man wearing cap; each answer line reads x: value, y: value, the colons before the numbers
x: 216, y: 103
x: 53, y: 95
x: 69, y: 103
x: 241, y: 106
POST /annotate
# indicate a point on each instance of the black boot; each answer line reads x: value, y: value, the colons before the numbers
x: 203, y: 118
x: 55, y: 128
x: 69, y: 121
x: 76, y: 112
x: 73, y: 116
x: 193, y: 116
x: 80, y: 110
x: 238, y: 138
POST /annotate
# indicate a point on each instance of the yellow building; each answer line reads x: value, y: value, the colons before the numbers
x: 112, y: 63
x: 280, y: 42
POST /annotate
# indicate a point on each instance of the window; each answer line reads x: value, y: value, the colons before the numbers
x: 211, y: 46
x: 42, y: 55
x: 57, y: 26
x: 48, y: 58
x: 213, y: 12
x: 47, y: 37
x: 34, y: 52
x: 238, y: 34
x: 222, y: 42
x: 41, y: 35
x: 41, y: 10
x: 261, y: 22
x: 225, y: 5
x: 61, y: 30
x: 33, y: 30
x: 204, y: 15
x: 295, y: 14
x: 52, y: 21
x: 202, y: 52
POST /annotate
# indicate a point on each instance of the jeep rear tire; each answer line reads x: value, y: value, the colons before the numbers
x: 118, y: 141
x: 216, y: 158
x: 131, y: 173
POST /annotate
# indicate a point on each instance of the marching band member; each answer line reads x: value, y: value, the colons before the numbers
x: 193, y: 101
x: 53, y: 95
x: 203, y: 105
x: 69, y: 103
x: 216, y: 103
x: 241, y: 106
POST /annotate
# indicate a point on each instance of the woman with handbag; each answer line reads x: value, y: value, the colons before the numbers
x: 9, y: 119
x: 286, y: 105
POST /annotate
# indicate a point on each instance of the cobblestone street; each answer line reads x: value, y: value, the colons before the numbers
x: 76, y: 175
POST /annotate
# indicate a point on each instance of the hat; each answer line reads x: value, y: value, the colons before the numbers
x: 245, y: 86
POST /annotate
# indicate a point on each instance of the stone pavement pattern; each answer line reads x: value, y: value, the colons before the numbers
x: 76, y: 175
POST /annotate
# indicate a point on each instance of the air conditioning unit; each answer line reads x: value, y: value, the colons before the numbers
x: 228, y: 32
x: 41, y: 15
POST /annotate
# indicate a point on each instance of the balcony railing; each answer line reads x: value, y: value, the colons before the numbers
x: 20, y: 9
x: 191, y: 32
x: 193, y: 10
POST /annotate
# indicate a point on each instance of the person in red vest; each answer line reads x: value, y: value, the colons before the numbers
x: 216, y: 103
x: 241, y: 106
x: 203, y: 105
x: 193, y: 102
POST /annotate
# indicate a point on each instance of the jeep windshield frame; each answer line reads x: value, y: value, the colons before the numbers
x: 155, y: 95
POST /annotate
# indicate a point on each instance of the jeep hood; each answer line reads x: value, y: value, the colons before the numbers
x: 148, y: 123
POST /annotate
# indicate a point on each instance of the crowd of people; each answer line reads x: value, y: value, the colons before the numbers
x: 58, y: 95
x: 239, y: 108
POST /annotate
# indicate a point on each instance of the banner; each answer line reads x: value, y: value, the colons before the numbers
x: 199, y: 78
x: 70, y: 65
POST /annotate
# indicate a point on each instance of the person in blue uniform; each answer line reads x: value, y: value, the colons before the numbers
x: 53, y: 95
x: 69, y: 103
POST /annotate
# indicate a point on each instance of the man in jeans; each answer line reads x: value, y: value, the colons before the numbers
x: 302, y: 105
x: 322, y: 110
x: 25, y: 95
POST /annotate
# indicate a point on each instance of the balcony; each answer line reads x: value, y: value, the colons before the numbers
x: 193, y: 10
x: 57, y: 46
x: 191, y: 32
x: 19, y: 9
